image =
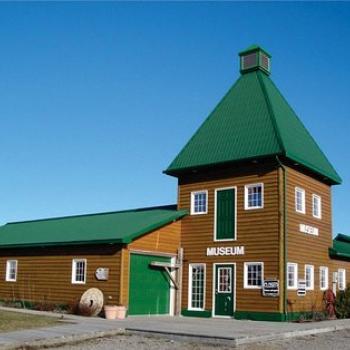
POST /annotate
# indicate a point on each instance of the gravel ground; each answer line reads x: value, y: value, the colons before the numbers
x: 327, y: 341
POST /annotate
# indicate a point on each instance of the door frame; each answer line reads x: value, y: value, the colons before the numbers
x: 214, y: 285
x: 172, y: 293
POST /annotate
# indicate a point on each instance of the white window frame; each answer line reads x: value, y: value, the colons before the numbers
x: 317, y: 197
x: 325, y: 269
x: 245, y: 279
x: 215, y: 211
x: 302, y: 191
x: 342, y: 272
x: 8, y: 266
x: 193, y: 194
x: 312, y: 281
x: 74, y: 270
x: 190, y: 267
x: 246, y: 203
x: 295, y: 285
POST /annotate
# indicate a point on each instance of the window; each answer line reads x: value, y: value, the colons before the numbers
x: 11, y: 270
x: 225, y: 214
x: 254, y: 196
x: 309, y: 277
x: 199, y: 202
x: 224, y: 281
x: 292, y: 276
x: 196, y: 287
x: 323, y: 278
x: 79, y: 271
x: 300, y: 200
x: 316, y: 206
x: 253, y: 274
x: 341, y: 279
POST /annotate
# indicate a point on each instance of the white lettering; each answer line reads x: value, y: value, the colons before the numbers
x: 224, y: 251
x: 308, y: 229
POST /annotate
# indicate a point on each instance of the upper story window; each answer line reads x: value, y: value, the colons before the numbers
x: 323, y: 278
x: 341, y: 279
x: 254, y: 196
x: 292, y: 275
x: 199, y: 202
x: 309, y: 277
x: 253, y: 274
x: 79, y: 271
x: 316, y: 206
x: 11, y: 270
x: 300, y: 200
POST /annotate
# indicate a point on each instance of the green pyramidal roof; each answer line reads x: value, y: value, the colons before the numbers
x: 252, y: 120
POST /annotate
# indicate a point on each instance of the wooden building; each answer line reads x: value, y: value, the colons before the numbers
x: 56, y: 260
x: 251, y: 236
x: 258, y: 188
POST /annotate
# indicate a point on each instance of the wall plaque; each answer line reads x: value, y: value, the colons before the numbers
x: 102, y: 273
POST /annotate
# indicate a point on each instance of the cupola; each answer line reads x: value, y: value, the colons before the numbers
x: 255, y: 58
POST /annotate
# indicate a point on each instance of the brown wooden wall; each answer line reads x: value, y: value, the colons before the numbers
x: 165, y: 240
x: 44, y: 274
x: 257, y: 230
x: 304, y: 248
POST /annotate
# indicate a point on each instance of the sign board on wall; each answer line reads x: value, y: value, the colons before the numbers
x: 301, y: 288
x: 102, y: 273
x: 270, y: 288
x: 222, y: 251
x: 308, y: 229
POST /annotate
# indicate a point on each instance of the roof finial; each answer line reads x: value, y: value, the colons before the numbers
x: 255, y: 58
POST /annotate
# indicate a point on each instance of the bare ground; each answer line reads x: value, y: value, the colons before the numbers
x: 339, y: 340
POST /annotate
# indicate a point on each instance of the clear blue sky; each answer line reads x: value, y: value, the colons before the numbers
x: 96, y: 99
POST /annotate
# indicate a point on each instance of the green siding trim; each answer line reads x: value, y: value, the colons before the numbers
x: 191, y: 313
x: 104, y: 228
x: 251, y: 315
x: 259, y: 316
x: 269, y: 316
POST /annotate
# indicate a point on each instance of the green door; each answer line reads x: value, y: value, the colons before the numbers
x: 225, y: 214
x: 224, y: 290
x: 149, y: 287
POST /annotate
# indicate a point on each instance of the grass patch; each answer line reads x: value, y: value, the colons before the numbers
x: 14, y: 321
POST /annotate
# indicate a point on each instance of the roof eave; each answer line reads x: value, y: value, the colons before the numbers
x: 179, y: 171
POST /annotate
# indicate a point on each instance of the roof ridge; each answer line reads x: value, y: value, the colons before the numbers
x: 169, y: 206
x: 271, y: 112
x: 205, y: 121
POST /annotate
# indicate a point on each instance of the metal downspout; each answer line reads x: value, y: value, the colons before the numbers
x: 285, y: 247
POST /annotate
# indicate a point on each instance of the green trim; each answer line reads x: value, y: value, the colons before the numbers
x: 269, y: 316
x: 254, y: 48
x: 259, y: 316
x: 192, y: 313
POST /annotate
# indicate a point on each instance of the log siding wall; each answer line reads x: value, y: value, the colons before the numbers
x: 306, y: 249
x: 257, y: 230
x: 44, y: 274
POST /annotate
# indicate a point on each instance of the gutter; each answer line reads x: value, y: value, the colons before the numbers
x: 285, y: 247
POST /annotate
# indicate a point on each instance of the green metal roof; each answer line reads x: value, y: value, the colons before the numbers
x: 252, y: 120
x: 111, y: 227
x: 341, y: 247
x: 253, y: 48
